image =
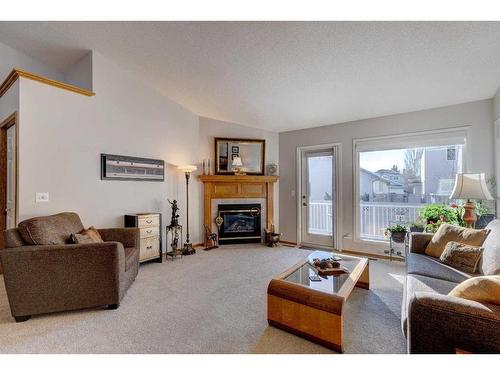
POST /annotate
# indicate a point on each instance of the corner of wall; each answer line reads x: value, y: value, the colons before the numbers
x: 81, y: 73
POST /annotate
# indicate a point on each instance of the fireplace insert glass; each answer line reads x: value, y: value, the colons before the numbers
x: 241, y: 223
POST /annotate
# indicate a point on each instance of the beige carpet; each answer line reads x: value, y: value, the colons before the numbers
x: 211, y: 302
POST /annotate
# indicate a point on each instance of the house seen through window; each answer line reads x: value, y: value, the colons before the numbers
x: 394, y: 184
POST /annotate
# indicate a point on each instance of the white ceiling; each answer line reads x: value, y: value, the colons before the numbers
x: 285, y: 75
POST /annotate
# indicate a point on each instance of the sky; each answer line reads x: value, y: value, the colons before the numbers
x: 375, y: 160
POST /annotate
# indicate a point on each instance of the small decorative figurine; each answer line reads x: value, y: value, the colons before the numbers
x: 211, y: 239
x: 272, y: 169
x: 272, y: 238
x: 175, y: 241
x: 174, y: 221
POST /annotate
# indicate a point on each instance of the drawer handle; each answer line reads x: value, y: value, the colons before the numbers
x: 149, y: 221
x: 149, y: 231
x: 149, y: 247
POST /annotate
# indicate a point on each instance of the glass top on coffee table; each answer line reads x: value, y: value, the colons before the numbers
x: 305, y: 272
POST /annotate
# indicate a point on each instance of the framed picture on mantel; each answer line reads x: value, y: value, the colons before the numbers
x: 128, y: 168
x: 250, y: 152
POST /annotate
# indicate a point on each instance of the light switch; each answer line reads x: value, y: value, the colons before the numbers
x: 293, y: 193
x: 41, y: 197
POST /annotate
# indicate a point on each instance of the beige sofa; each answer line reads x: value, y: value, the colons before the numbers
x: 44, y: 274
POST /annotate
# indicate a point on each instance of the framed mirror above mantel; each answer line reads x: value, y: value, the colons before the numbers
x: 239, y: 156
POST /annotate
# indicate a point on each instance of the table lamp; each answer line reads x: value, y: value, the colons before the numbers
x: 237, y: 164
x: 470, y: 186
x: 188, y: 248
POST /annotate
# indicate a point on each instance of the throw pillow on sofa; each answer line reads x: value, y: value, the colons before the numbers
x: 482, y: 289
x: 448, y: 232
x: 90, y: 235
x: 462, y: 257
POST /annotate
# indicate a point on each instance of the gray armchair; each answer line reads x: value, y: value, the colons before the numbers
x: 44, y: 274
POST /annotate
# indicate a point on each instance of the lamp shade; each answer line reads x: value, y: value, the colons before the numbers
x: 470, y: 186
x: 237, y: 162
x: 187, y: 168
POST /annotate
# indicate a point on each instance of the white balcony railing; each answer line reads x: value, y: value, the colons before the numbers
x: 373, y: 219
x: 320, y: 217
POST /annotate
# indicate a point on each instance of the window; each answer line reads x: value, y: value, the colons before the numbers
x: 394, y: 181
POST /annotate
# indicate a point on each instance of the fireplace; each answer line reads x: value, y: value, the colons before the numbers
x: 240, y: 223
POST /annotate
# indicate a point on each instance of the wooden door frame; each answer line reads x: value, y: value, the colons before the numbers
x: 4, y: 125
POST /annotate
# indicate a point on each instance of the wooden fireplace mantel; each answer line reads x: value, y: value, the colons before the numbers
x: 234, y: 187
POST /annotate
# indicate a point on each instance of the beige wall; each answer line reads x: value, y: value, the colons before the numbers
x: 63, y: 134
x: 210, y: 128
x: 480, y: 146
x: 11, y: 58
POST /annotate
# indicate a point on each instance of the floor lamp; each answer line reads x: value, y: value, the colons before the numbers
x: 470, y: 186
x: 188, y: 246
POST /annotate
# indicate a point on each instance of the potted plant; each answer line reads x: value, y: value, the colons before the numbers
x: 397, y: 232
x: 432, y: 213
x: 417, y: 226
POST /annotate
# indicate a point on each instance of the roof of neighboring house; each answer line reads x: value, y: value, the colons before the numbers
x: 380, y: 178
x: 391, y: 171
x: 374, y: 175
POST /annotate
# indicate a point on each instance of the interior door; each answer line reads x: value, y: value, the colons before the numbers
x: 318, y: 197
x: 10, y: 211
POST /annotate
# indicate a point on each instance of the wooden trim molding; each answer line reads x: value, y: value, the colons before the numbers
x: 233, y: 187
x: 16, y: 73
x: 232, y: 178
x: 12, y: 120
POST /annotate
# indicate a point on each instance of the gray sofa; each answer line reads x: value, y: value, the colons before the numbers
x: 434, y: 322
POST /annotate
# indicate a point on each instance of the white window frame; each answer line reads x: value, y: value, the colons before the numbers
x: 455, y: 135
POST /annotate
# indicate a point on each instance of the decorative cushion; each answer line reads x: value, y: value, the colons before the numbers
x: 50, y: 230
x: 81, y: 238
x: 461, y: 256
x: 490, y: 260
x: 482, y: 289
x: 90, y: 235
x: 448, y: 232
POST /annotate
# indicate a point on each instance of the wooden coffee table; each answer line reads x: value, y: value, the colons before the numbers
x: 314, y: 309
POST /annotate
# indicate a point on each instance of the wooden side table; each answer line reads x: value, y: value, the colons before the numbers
x: 149, y: 225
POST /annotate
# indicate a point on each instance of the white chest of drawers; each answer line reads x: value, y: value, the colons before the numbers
x: 149, y: 225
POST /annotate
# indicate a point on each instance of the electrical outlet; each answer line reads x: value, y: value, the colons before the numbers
x: 41, y: 197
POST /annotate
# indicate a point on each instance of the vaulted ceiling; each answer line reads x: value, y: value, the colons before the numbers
x: 285, y: 75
